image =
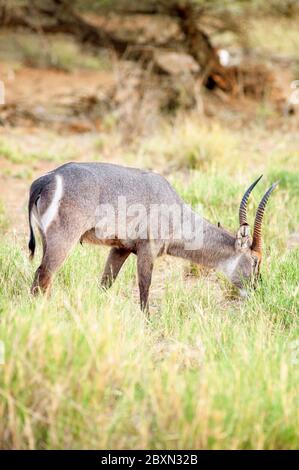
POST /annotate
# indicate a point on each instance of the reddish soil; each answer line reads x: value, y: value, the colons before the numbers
x: 40, y: 86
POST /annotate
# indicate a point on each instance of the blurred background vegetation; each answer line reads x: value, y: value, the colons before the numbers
x: 205, y: 93
x: 156, y: 57
x: 172, y: 85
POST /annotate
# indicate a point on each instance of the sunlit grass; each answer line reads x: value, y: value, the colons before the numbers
x: 17, y: 152
x: 192, y: 144
x: 275, y: 37
x: 59, y: 51
x: 4, y: 223
x: 84, y: 369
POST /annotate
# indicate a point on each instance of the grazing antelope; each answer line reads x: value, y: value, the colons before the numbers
x: 77, y: 201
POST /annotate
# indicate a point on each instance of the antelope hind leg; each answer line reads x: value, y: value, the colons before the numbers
x: 57, y: 246
x: 145, y: 264
x: 115, y: 260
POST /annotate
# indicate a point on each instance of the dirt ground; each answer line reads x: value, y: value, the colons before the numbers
x: 35, y: 90
x: 42, y: 145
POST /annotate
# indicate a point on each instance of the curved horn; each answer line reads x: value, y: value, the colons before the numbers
x: 243, y: 205
x: 257, y: 230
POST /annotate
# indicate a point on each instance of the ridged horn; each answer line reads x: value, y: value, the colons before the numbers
x: 243, y: 205
x: 257, y: 230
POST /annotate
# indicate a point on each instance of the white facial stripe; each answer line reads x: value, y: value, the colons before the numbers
x: 51, y: 212
x: 229, y: 266
x: 243, y: 293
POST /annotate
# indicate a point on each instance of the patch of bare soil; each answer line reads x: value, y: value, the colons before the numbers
x: 39, y: 151
x: 52, y: 96
x: 72, y: 103
x: 36, y: 99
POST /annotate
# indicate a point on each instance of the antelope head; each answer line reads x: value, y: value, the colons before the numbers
x: 248, y: 257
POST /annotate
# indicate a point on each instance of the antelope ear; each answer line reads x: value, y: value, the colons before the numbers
x: 243, y: 239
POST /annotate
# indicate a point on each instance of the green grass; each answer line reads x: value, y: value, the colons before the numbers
x: 17, y: 153
x: 4, y: 222
x: 84, y: 369
x: 10, y: 153
x: 192, y: 144
x: 59, y: 51
x: 282, y: 37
